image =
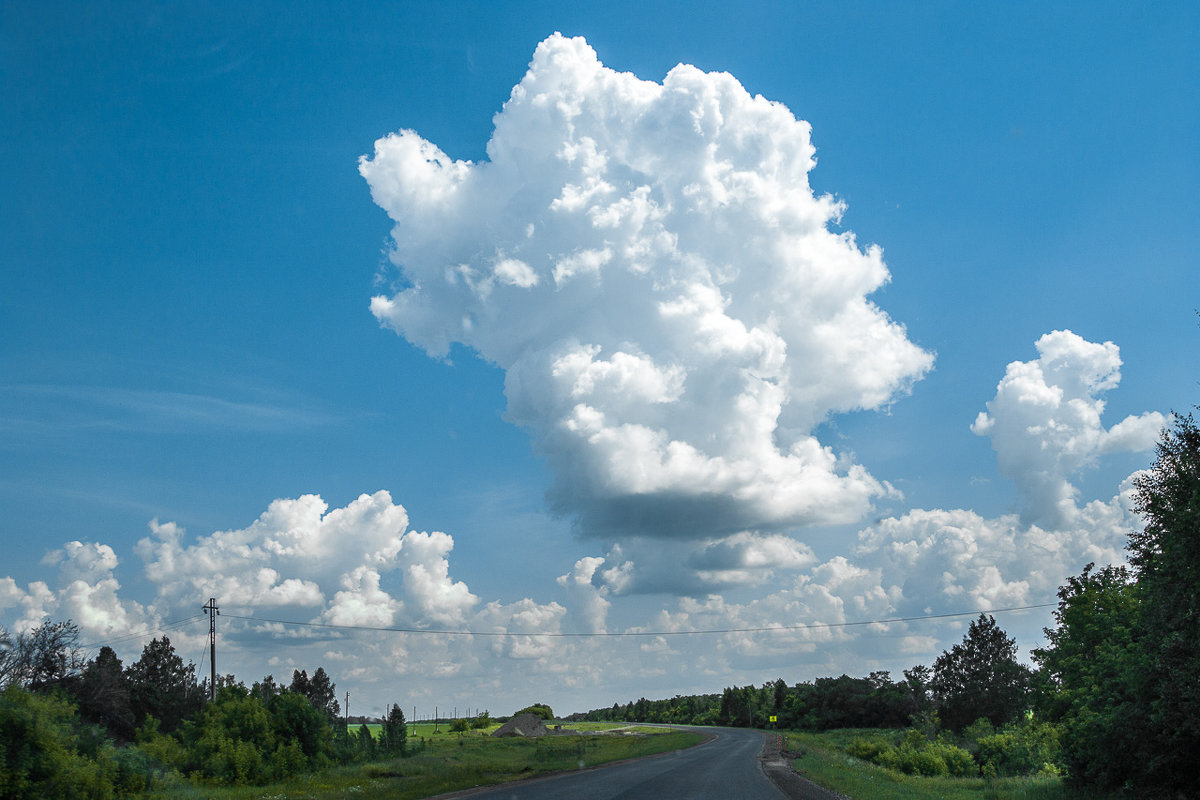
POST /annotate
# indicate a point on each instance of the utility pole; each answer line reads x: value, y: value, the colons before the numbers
x: 213, y: 613
x: 347, y: 711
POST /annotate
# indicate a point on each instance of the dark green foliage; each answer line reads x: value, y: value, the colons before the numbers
x: 161, y: 686
x: 1166, y: 559
x: 1092, y: 677
x: 295, y: 720
x: 45, y: 752
x: 240, y: 739
x: 319, y: 690
x: 980, y: 677
x: 874, y: 701
x: 915, y: 754
x: 394, y: 737
x: 538, y: 709
x: 482, y: 721
x: 366, y: 742
x: 1019, y: 748
x: 102, y: 693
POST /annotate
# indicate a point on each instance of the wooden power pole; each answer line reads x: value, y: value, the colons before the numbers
x: 213, y: 613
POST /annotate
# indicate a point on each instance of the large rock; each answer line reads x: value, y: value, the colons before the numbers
x: 529, y: 725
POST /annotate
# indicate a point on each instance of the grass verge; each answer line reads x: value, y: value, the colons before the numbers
x: 446, y: 764
x: 824, y: 762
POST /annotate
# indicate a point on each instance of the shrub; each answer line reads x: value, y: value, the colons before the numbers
x: 916, y: 755
x: 540, y: 709
x: 1022, y: 748
x: 866, y: 749
x: 39, y: 751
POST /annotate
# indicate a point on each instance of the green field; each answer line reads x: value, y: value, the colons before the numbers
x: 823, y: 761
x: 445, y: 762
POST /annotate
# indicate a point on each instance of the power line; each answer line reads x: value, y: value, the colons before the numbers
x: 166, y: 626
x: 560, y: 635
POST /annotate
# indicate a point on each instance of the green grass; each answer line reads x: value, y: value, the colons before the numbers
x: 823, y: 761
x: 446, y: 763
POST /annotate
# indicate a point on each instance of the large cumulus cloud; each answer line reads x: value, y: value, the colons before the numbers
x: 673, y: 310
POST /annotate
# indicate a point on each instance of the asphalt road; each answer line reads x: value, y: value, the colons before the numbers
x: 725, y: 768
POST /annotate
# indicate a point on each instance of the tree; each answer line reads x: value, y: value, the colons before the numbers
x: 40, y: 750
x: 45, y: 657
x: 980, y: 677
x: 102, y: 692
x: 294, y: 719
x: 161, y: 686
x: 1092, y: 676
x: 319, y: 690
x: 916, y: 683
x: 395, y: 731
x: 1166, y: 560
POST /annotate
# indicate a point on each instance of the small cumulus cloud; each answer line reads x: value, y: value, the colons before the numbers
x: 1045, y: 422
x: 649, y: 265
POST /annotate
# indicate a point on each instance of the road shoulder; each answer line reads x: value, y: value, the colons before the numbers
x: 777, y: 765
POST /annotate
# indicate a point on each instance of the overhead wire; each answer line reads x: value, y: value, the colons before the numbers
x: 597, y: 634
x: 166, y: 626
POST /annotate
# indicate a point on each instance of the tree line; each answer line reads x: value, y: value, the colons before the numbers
x: 75, y: 728
x: 1113, y: 697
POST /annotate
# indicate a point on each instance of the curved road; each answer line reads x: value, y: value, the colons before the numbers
x: 725, y: 767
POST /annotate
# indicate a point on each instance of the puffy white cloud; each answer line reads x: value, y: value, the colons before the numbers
x: 88, y: 593
x: 1045, y: 424
x: 590, y: 608
x: 648, y: 264
x: 299, y: 553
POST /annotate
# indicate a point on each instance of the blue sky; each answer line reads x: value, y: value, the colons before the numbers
x: 189, y: 256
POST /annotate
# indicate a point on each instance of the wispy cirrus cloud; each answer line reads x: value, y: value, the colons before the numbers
x: 48, y: 409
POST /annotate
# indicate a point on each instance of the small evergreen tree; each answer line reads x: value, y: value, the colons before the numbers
x: 395, y: 732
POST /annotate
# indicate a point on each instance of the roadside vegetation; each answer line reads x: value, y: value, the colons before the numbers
x: 445, y: 762
x: 828, y: 758
x: 1111, y: 708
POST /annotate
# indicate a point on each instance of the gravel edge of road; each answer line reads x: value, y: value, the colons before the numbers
x: 777, y: 766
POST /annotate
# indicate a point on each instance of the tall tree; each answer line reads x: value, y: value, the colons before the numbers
x: 102, y: 692
x: 162, y: 687
x: 980, y: 677
x: 395, y: 731
x: 319, y: 690
x: 322, y: 693
x: 1092, y: 677
x: 1166, y: 559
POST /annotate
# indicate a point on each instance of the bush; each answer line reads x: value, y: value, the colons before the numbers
x: 1021, y: 748
x: 39, y: 751
x: 915, y: 755
x: 866, y: 749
